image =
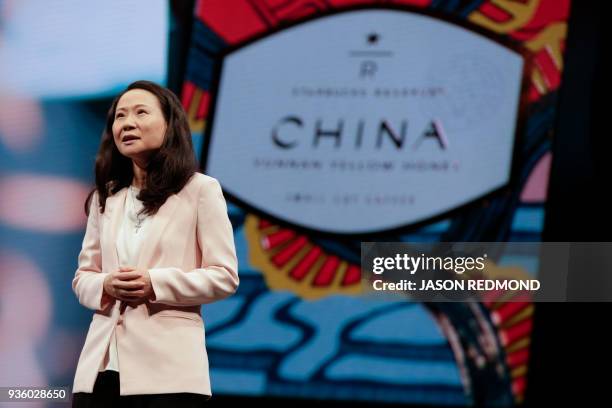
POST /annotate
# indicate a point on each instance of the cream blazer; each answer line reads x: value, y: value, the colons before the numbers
x: 190, y: 254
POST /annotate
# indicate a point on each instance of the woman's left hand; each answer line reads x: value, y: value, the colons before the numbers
x: 141, y: 276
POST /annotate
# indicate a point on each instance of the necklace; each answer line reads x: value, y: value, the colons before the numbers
x: 139, y: 217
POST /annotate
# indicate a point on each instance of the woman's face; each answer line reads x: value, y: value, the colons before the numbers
x: 139, y: 126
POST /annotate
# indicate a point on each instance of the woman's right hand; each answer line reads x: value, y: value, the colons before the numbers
x: 118, y: 285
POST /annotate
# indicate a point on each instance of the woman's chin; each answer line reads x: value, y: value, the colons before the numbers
x: 131, y: 152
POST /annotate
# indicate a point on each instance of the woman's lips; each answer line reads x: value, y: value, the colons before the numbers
x: 129, y: 140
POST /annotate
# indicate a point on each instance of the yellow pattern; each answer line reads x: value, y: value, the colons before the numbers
x: 278, y: 279
x: 196, y: 125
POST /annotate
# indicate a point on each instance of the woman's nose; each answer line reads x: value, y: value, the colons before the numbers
x: 129, y: 120
x: 128, y: 123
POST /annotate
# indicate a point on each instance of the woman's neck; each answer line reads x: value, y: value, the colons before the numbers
x: 140, y: 175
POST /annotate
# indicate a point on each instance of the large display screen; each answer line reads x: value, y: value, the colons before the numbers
x: 333, y: 123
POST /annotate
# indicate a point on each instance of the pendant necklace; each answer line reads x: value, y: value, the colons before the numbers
x: 139, y: 217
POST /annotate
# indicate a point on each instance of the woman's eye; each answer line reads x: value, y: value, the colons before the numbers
x: 119, y: 115
x: 141, y: 111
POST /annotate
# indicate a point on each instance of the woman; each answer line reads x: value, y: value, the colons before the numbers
x: 158, y: 245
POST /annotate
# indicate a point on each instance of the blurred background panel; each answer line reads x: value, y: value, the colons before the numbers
x: 71, y: 49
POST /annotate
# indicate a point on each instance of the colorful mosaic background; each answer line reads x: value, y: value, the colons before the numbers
x: 298, y: 328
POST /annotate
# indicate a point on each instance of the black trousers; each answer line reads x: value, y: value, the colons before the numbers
x: 106, y: 394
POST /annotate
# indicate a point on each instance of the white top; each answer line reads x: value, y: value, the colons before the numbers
x: 129, y: 241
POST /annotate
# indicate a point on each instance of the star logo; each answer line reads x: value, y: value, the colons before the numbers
x: 373, y: 38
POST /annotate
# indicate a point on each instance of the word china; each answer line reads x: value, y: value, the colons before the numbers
x: 292, y: 131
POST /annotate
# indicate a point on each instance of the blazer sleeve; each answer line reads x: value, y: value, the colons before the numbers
x: 217, y: 276
x: 88, y: 282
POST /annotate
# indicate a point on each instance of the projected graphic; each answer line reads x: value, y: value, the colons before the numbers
x: 375, y: 130
x: 323, y: 120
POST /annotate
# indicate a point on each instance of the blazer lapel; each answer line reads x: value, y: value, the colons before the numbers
x: 113, y: 211
x: 154, y: 233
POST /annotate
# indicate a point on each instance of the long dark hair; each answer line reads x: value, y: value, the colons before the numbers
x: 169, y: 168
